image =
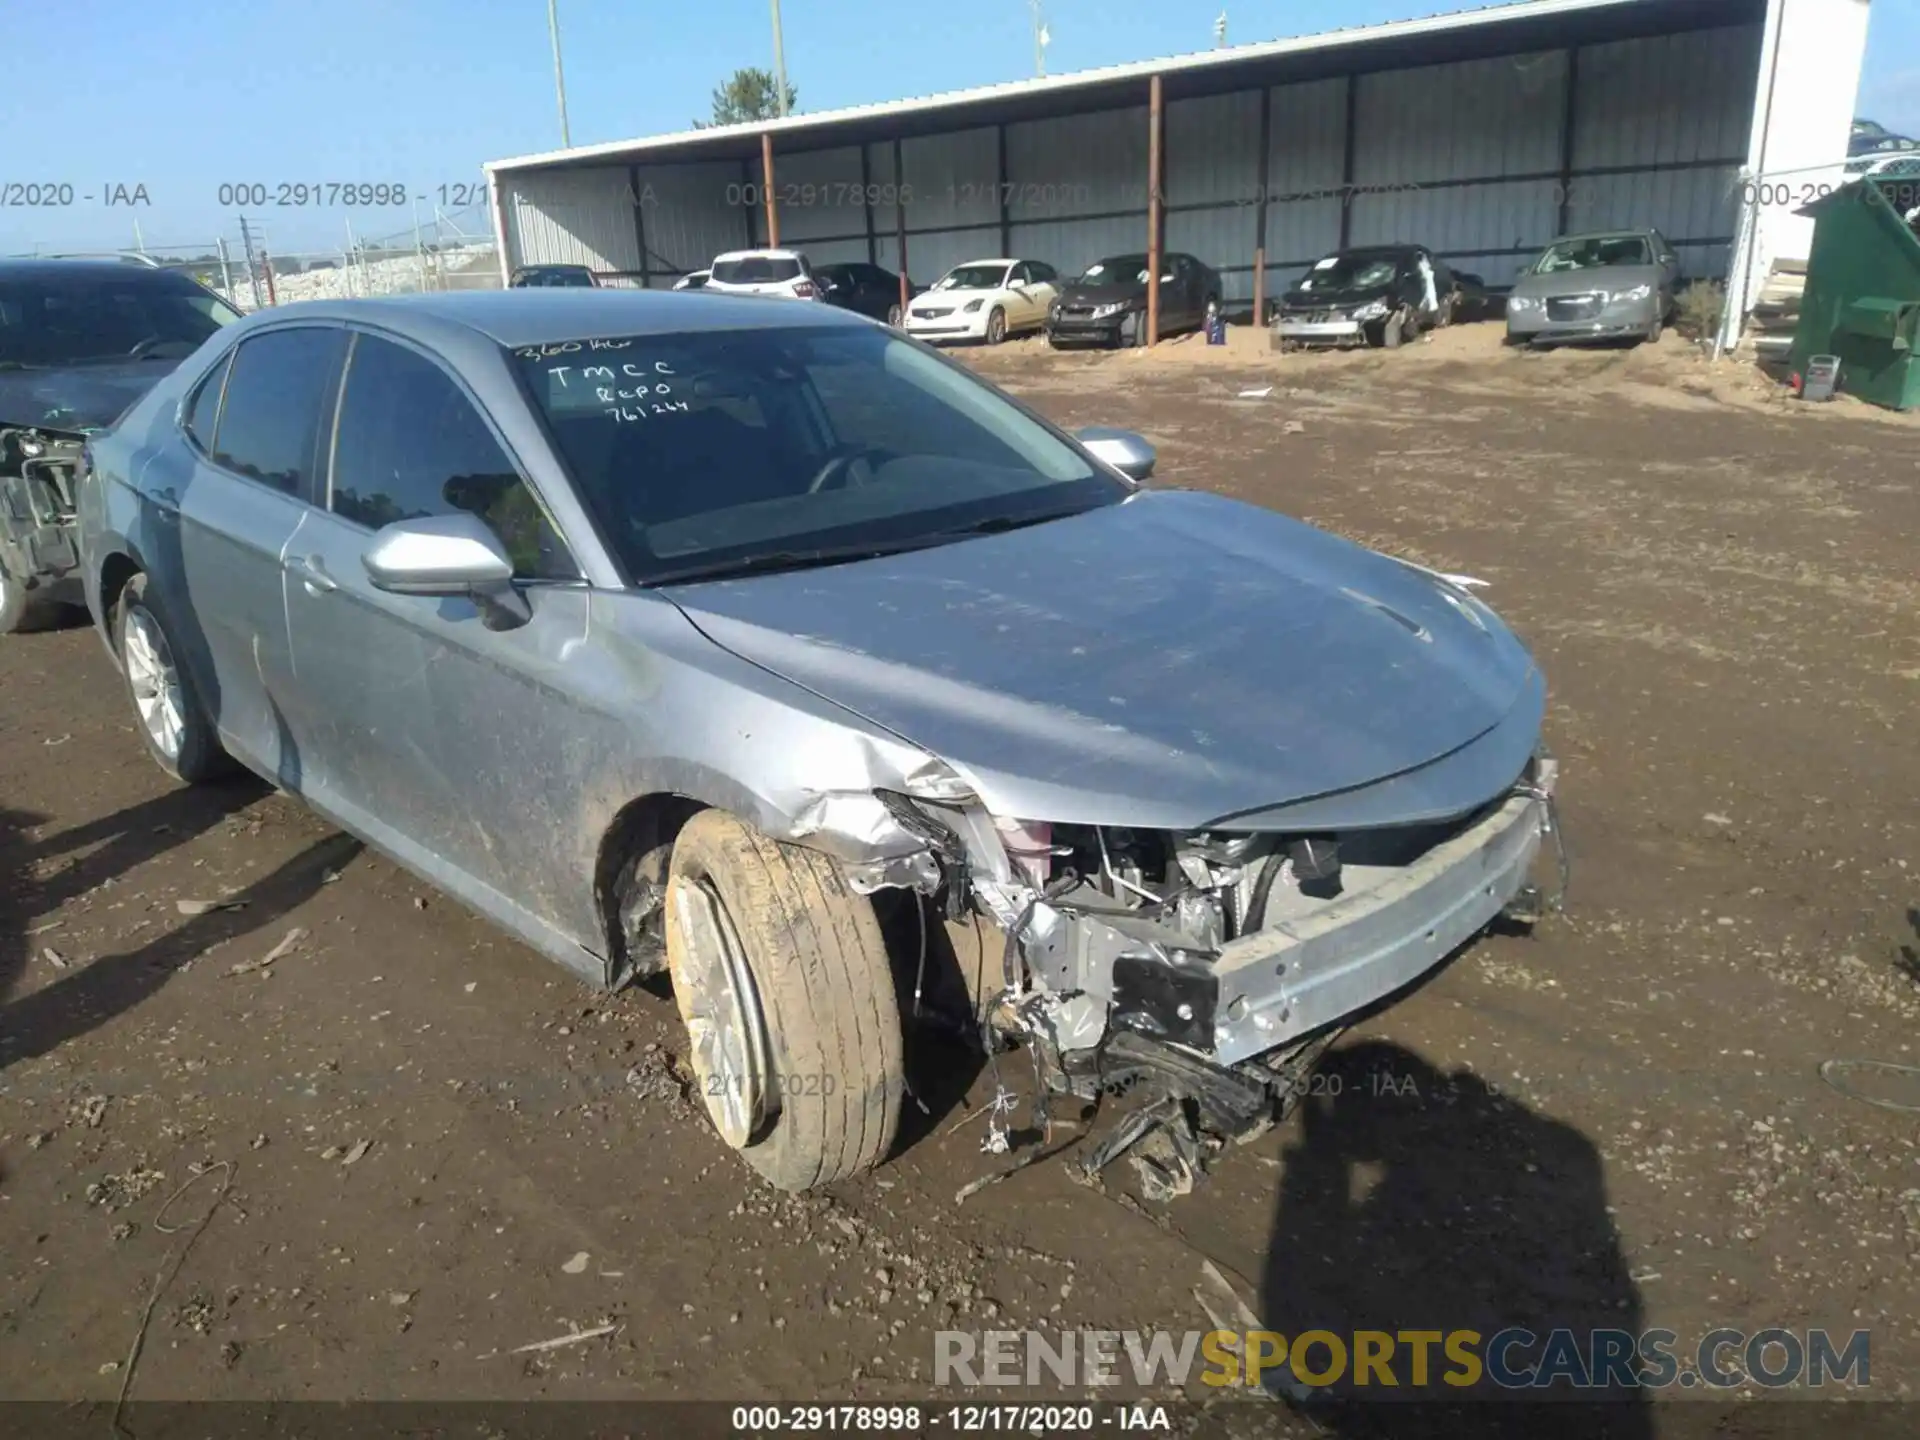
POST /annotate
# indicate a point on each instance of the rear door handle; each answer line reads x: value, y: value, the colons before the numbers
x: 313, y: 575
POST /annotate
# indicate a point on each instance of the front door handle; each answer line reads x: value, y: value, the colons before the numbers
x: 313, y: 575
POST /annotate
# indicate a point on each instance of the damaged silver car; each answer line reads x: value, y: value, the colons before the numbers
x: 766, y: 648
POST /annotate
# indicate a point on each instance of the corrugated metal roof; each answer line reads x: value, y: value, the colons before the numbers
x: 956, y: 100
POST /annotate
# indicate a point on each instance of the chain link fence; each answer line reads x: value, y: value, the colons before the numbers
x: 452, y: 250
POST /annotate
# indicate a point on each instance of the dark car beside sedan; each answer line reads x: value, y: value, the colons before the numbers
x: 1107, y: 304
x: 1375, y: 295
x: 868, y: 290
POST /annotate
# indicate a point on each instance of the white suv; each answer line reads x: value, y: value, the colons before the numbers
x: 763, y: 272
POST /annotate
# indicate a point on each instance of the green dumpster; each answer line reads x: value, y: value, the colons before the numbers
x: 1862, y: 300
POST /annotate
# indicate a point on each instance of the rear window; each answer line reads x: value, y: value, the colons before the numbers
x: 756, y: 270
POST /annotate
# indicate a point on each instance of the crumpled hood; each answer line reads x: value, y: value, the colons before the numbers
x: 1333, y: 299
x: 85, y: 397
x: 1164, y: 662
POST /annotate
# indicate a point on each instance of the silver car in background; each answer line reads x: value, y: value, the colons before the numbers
x: 1614, y: 285
x: 760, y: 645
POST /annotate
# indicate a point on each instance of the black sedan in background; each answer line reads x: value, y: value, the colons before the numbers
x: 867, y: 289
x: 1107, y: 304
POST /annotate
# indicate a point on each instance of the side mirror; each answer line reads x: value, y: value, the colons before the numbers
x: 1127, y: 452
x: 447, y: 555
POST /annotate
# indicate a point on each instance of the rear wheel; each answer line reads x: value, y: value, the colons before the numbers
x: 894, y: 316
x: 996, y: 326
x: 783, y: 981
x: 172, y: 721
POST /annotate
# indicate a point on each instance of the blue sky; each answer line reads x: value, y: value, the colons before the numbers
x: 419, y: 92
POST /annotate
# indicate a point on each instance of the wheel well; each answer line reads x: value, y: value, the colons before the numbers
x: 114, y: 575
x: 641, y: 836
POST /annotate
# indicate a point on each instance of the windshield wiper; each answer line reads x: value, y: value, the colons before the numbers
x: 1000, y: 524
x: 773, y: 561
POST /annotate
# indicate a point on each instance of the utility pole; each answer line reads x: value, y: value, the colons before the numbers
x: 1220, y: 31
x: 779, y: 65
x: 253, y: 275
x: 226, y: 272
x: 559, y: 75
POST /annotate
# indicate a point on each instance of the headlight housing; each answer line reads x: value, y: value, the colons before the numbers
x: 1638, y: 292
x: 1116, y: 307
x: 1372, y: 310
x: 973, y: 305
x: 1521, y: 302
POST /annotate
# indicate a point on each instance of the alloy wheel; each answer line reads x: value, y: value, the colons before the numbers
x: 723, y: 1014
x: 154, y: 680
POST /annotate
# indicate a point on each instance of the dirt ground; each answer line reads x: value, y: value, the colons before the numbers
x: 440, y: 1148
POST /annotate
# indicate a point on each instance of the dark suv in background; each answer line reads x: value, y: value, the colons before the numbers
x: 80, y: 341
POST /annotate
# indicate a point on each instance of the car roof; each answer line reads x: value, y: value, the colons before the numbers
x: 537, y: 316
x: 781, y: 254
x: 51, y: 269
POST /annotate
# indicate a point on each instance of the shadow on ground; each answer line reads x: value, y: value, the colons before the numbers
x: 95, y: 990
x: 1420, y: 1200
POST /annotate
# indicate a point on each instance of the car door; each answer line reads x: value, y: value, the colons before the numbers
x: 225, y: 504
x: 1044, y: 284
x: 429, y: 729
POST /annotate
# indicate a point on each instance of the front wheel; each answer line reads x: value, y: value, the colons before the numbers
x: 996, y: 326
x: 17, y: 613
x: 1656, y: 328
x: 894, y: 316
x: 783, y: 982
x: 172, y: 721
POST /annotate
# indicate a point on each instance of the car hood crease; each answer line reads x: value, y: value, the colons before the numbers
x: 1163, y: 662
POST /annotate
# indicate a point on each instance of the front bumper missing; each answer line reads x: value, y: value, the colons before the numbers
x: 1323, y: 332
x: 1298, y: 976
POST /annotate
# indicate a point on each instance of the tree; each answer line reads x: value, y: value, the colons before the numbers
x: 750, y: 95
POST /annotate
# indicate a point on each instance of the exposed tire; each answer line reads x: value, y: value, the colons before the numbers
x: 894, y: 316
x: 18, y: 613
x: 168, y: 713
x: 996, y: 326
x: 1656, y: 328
x: 1393, y: 332
x: 829, y: 1032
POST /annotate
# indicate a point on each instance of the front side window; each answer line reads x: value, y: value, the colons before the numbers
x: 411, y: 444
x: 713, y: 450
x: 279, y: 386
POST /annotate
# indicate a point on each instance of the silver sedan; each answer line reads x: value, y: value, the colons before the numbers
x: 1616, y: 285
x: 763, y: 646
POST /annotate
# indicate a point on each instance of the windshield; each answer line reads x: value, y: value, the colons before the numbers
x: 1357, y: 270
x: 717, y: 450
x: 84, y: 319
x: 756, y: 270
x: 1116, y: 270
x: 973, y: 277
x: 1593, y: 253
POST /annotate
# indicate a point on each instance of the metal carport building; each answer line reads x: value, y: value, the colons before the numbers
x: 1482, y: 134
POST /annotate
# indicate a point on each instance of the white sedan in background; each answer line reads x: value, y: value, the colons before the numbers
x: 984, y: 300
